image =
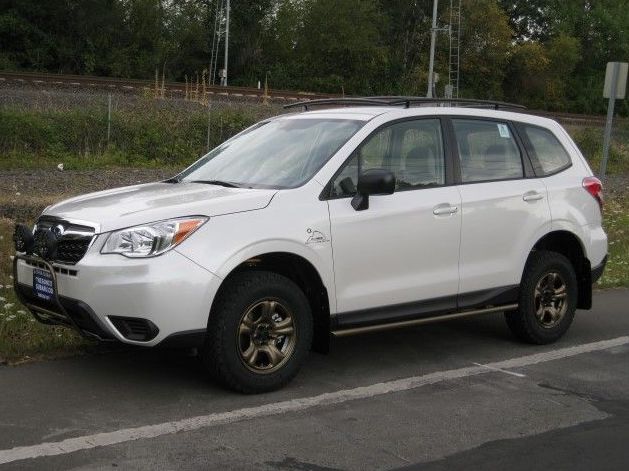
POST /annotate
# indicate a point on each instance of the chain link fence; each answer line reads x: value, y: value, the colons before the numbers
x: 92, y: 127
x: 87, y: 127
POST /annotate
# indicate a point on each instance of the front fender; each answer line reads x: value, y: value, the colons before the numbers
x: 289, y: 225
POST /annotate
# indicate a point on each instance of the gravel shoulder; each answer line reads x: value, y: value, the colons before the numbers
x: 25, y: 193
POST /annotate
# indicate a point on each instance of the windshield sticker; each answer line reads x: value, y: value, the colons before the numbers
x: 503, y: 129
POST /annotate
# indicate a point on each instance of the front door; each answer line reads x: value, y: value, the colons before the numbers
x: 403, y: 251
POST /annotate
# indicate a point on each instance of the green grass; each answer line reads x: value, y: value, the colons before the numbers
x: 145, y: 136
x: 21, y: 337
x: 590, y: 141
x: 37, y: 139
x: 616, y: 223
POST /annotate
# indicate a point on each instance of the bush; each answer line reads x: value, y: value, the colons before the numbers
x: 145, y: 135
x: 590, y: 141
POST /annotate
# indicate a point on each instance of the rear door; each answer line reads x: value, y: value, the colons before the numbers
x: 504, y: 210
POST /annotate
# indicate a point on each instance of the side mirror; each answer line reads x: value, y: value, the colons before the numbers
x: 376, y: 181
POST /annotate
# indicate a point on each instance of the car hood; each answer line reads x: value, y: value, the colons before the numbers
x: 141, y: 204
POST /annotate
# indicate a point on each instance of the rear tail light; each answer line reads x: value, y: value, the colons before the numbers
x: 594, y: 187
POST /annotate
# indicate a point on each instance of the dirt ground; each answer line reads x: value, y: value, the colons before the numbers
x: 25, y: 193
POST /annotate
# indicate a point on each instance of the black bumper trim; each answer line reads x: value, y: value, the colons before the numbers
x: 597, y: 271
x: 186, y: 339
x: 81, y: 316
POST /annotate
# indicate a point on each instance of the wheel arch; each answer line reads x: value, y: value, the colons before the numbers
x: 302, y: 272
x: 572, y: 247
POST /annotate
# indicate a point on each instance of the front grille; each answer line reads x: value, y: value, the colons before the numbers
x: 71, y: 251
x: 73, y: 240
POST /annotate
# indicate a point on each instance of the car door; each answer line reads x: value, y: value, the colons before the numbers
x: 402, y: 252
x: 504, y: 210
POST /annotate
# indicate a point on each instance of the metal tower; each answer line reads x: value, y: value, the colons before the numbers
x: 455, y: 40
x: 221, y: 33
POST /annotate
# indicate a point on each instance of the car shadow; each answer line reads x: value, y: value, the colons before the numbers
x: 359, y: 359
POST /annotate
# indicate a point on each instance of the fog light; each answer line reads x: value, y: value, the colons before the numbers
x: 23, y: 239
x: 46, y: 244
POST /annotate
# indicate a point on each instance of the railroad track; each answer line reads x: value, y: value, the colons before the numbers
x: 174, y: 89
x: 131, y: 85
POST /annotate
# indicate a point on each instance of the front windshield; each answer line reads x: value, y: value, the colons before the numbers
x: 284, y: 153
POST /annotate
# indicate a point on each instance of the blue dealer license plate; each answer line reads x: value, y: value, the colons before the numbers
x: 43, y: 286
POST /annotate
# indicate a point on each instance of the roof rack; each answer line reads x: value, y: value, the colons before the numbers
x: 359, y: 101
x: 460, y: 102
x: 407, y: 101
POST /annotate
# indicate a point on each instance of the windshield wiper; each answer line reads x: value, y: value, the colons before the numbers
x: 217, y: 182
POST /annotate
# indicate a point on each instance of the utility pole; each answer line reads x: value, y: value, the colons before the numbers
x: 433, y: 40
x: 226, y: 41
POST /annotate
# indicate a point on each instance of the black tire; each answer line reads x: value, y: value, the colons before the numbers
x: 222, y: 354
x: 524, y: 321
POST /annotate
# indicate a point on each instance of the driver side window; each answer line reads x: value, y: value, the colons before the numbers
x: 411, y: 150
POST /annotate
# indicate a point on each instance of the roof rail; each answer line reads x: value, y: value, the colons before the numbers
x: 358, y: 101
x: 407, y: 101
x: 460, y: 102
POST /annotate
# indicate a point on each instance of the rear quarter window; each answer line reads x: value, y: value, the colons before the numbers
x: 548, y: 156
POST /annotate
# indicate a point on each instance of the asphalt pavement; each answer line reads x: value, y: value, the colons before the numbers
x: 457, y: 395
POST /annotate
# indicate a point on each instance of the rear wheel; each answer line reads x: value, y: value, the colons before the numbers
x: 259, y: 332
x: 548, y: 299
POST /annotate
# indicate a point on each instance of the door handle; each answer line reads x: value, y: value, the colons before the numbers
x: 532, y: 196
x: 444, y: 209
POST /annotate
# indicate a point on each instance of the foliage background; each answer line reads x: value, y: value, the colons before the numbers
x: 548, y: 54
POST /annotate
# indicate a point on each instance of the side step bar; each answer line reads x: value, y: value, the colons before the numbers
x: 425, y: 320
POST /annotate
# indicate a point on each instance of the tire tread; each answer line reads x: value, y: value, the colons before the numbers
x: 521, y: 320
x: 228, y: 304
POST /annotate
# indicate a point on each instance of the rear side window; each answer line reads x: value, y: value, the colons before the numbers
x: 487, y: 151
x: 549, y: 156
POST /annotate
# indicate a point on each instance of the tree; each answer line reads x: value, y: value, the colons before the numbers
x: 248, y: 20
x: 340, y: 46
x: 407, y: 36
x: 545, y: 53
x: 599, y: 29
x: 485, y: 47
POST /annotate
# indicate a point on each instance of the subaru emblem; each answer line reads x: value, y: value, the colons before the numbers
x: 58, y: 230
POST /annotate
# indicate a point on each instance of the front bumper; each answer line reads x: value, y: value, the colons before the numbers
x: 106, y: 296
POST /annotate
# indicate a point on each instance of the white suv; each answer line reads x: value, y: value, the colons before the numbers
x: 332, y: 221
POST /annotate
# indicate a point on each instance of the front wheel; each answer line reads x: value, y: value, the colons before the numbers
x: 548, y: 299
x: 259, y: 332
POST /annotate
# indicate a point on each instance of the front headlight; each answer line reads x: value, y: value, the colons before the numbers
x: 152, y: 239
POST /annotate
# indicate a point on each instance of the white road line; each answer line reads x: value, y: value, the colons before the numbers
x: 87, y: 442
x: 519, y: 375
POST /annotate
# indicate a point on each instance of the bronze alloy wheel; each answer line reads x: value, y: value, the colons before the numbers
x: 266, y: 336
x: 550, y: 299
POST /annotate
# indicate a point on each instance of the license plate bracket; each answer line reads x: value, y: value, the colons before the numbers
x: 43, y: 284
